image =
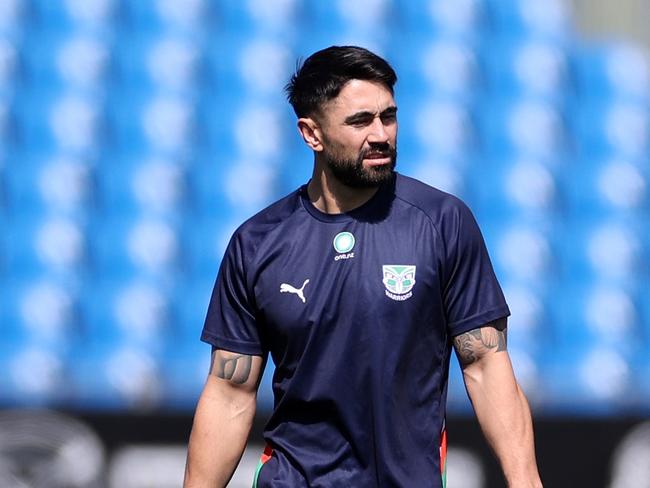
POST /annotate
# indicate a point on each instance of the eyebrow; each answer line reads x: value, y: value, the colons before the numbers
x: 361, y: 116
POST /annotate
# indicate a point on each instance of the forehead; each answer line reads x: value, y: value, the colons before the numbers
x: 360, y: 96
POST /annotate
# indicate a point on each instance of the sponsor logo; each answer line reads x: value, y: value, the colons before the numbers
x: 399, y: 281
x: 286, y: 288
x: 343, y: 245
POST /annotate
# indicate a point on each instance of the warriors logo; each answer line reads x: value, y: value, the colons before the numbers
x: 399, y: 281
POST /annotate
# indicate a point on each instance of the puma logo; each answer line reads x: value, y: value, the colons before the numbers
x: 285, y: 288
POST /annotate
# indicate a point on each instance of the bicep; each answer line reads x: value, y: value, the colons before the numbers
x: 236, y: 370
x: 480, y: 343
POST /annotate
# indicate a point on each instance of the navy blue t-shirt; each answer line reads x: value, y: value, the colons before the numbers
x: 358, y: 311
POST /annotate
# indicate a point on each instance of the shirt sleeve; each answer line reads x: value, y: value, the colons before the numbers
x: 231, y: 320
x: 472, y: 295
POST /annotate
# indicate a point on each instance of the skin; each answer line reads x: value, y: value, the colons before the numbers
x: 361, y: 119
x: 500, y: 405
x: 223, y: 419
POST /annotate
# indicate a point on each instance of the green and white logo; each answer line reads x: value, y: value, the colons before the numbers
x: 399, y: 281
x: 343, y: 242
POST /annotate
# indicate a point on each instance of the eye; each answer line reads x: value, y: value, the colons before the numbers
x: 362, y: 121
x: 389, y: 117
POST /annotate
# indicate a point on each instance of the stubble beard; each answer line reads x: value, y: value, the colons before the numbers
x: 351, y: 172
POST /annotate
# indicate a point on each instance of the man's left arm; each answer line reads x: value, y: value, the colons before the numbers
x: 500, y: 405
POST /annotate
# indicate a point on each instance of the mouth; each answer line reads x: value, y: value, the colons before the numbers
x: 377, y: 159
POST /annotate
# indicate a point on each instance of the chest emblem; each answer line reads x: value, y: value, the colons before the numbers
x: 286, y: 288
x: 343, y: 245
x: 399, y: 281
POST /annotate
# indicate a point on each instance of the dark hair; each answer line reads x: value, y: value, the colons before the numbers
x: 323, y: 74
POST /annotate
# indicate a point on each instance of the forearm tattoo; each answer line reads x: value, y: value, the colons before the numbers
x: 474, y: 344
x: 231, y: 366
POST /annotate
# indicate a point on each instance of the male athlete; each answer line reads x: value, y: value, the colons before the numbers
x: 357, y: 284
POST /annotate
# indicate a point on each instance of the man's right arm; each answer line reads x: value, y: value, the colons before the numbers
x: 223, y: 419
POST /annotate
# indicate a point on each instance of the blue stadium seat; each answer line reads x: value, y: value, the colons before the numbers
x: 116, y: 376
x: 96, y: 15
x: 33, y: 375
x: 251, y: 63
x: 606, y: 249
x: 191, y: 298
x: 613, y: 187
x: 515, y: 188
x: 263, y: 16
x: 41, y: 310
x: 344, y: 17
x: 523, y: 250
x: 530, y: 127
x: 191, y: 16
x: 612, y: 126
x: 528, y: 326
x: 50, y: 244
x: 149, y: 245
x: 613, y: 70
x: 148, y: 185
x: 588, y: 379
x: 62, y: 61
x: 528, y: 67
x: 55, y: 185
x: 14, y: 14
x: 465, y: 18
x: 161, y: 62
x: 133, y: 310
x: 551, y: 19
x: 441, y: 66
x: 183, y: 374
x: 206, y: 241
x: 10, y: 64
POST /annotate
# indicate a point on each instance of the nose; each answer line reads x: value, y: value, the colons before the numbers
x: 378, y: 133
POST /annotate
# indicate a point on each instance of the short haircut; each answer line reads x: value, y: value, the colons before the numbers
x: 322, y: 75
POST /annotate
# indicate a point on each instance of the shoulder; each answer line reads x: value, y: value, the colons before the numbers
x: 255, y: 229
x: 436, y: 204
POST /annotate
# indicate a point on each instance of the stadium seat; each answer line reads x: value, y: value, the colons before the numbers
x: 148, y: 185
x: 43, y: 243
x: 528, y: 67
x: 56, y: 185
x: 34, y: 375
x: 191, y: 16
x: 613, y: 187
x: 115, y: 376
x: 466, y: 18
x: 42, y: 310
x: 613, y: 70
x: 149, y: 245
x: 13, y: 15
x: 97, y: 15
x: 9, y: 65
x: 134, y: 310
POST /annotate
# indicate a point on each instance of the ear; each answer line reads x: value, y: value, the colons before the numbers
x: 311, y: 133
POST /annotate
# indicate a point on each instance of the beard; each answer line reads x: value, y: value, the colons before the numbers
x: 351, y: 172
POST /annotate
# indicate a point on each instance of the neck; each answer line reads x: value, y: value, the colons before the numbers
x: 331, y: 196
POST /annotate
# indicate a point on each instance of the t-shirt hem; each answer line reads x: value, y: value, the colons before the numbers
x: 232, y: 345
x: 478, y: 320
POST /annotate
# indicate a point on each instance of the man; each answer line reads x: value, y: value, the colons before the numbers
x: 357, y: 284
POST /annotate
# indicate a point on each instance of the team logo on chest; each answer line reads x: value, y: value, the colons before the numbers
x: 399, y: 281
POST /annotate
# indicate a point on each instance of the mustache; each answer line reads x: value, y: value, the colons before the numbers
x: 383, y: 152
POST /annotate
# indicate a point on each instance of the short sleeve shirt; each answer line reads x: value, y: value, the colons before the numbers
x: 357, y: 311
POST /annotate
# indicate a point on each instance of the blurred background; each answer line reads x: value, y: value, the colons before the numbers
x: 136, y: 135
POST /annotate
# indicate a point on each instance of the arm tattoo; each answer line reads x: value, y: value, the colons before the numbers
x: 230, y: 366
x: 473, y: 345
